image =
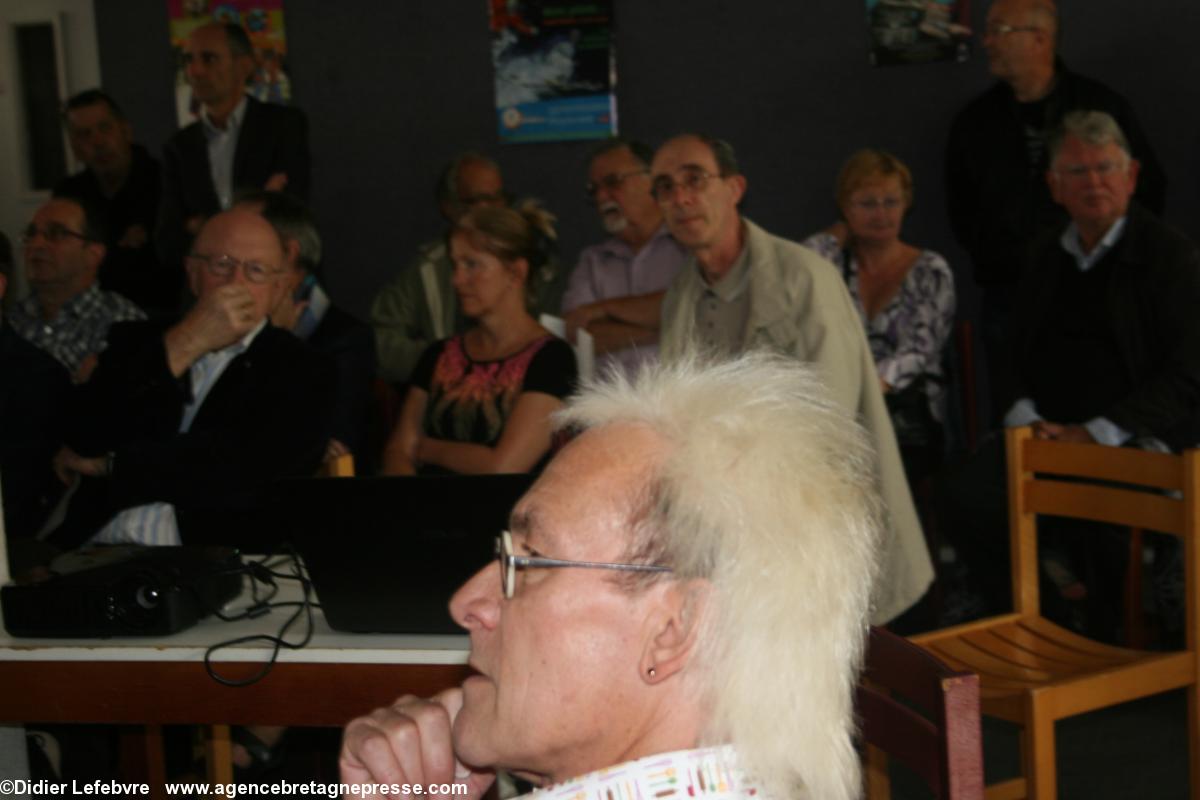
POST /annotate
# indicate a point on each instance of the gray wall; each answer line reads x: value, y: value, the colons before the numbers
x: 393, y: 89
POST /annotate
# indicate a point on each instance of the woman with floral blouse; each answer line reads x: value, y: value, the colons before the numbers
x: 904, y: 295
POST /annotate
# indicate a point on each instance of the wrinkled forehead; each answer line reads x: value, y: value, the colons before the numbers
x: 478, y: 177
x: 208, y: 40
x: 613, y: 162
x: 241, y: 234
x: 590, y: 493
x: 877, y: 183
x: 1077, y: 151
x: 90, y: 115
x: 684, y: 153
x: 62, y: 211
x: 1010, y: 11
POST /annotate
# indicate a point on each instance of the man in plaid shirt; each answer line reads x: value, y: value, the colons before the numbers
x: 67, y: 315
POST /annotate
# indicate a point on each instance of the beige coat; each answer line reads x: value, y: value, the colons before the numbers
x: 800, y: 306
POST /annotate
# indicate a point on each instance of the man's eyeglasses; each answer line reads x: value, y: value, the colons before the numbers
x: 1080, y: 171
x: 693, y: 179
x: 1004, y: 29
x: 223, y: 266
x: 876, y: 203
x: 483, y: 199
x: 52, y: 233
x: 510, y: 563
x: 611, y: 182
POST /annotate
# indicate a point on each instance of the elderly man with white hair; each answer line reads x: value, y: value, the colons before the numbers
x: 679, y: 608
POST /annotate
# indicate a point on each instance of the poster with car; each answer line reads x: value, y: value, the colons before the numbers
x: 555, y: 70
x: 263, y: 22
x: 918, y: 31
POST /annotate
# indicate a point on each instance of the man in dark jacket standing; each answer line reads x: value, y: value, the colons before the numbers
x: 237, y: 143
x: 121, y: 180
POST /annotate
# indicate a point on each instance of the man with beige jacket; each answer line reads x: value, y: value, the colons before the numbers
x: 744, y: 289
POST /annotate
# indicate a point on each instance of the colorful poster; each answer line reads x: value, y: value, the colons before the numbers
x: 918, y: 31
x: 555, y: 70
x: 263, y: 21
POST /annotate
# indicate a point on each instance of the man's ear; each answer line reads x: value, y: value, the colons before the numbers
x: 1135, y: 167
x: 193, y: 269
x: 95, y: 255
x: 291, y: 254
x: 738, y: 182
x: 3, y: 285
x: 673, y: 629
x: 1052, y: 180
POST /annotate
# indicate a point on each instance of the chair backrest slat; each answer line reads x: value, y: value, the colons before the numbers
x: 1130, y: 507
x: 902, y: 733
x: 924, y: 714
x: 1119, y: 464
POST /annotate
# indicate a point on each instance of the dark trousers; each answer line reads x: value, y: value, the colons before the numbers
x: 972, y: 503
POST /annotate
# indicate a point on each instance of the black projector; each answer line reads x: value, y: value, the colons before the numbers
x: 125, y: 591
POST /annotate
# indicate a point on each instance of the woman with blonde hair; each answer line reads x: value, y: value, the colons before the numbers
x: 904, y: 295
x: 480, y: 401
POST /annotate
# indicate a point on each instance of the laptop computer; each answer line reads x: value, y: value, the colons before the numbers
x: 386, y: 554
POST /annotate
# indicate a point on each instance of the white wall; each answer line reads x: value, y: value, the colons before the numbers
x: 79, y: 69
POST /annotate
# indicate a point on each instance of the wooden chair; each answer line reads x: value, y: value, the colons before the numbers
x: 340, y: 467
x: 1034, y: 672
x: 919, y: 711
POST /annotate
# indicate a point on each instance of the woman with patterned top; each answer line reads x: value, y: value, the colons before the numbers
x: 480, y: 401
x: 904, y: 295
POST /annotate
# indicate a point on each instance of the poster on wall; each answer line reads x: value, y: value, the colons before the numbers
x: 918, y: 31
x: 555, y: 70
x: 263, y: 22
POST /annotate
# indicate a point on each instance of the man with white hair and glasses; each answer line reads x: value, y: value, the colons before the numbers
x: 678, y: 610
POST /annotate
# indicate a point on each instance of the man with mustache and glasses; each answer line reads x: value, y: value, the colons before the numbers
x: 744, y: 289
x: 632, y: 267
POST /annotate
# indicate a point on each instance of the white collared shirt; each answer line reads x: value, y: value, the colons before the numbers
x: 310, y: 318
x: 1102, y: 429
x: 222, y: 146
x: 1071, y: 242
x: 710, y: 772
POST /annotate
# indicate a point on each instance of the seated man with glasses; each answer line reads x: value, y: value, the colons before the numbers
x: 678, y: 611
x: 67, y: 314
x: 630, y: 269
x: 184, y: 421
x: 743, y: 289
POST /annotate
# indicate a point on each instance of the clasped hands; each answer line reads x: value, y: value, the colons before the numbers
x: 409, y: 742
x: 1062, y: 433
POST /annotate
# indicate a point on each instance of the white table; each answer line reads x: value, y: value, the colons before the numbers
x: 152, y: 682
x: 163, y: 680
